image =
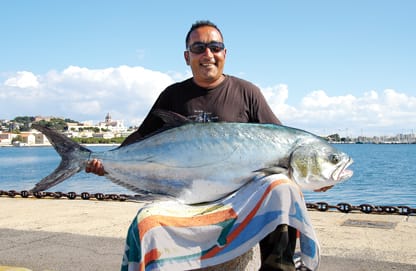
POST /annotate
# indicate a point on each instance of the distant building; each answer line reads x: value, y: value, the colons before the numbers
x: 39, y: 118
x: 41, y: 139
x: 115, y: 126
x: 28, y: 138
x: 6, y: 138
x: 104, y: 135
x: 108, y: 128
x: 74, y: 127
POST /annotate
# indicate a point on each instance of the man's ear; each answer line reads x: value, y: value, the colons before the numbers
x: 186, y: 56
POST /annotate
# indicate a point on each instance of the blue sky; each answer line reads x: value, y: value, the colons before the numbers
x: 324, y: 66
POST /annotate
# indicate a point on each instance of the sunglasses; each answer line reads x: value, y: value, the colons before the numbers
x: 200, y: 47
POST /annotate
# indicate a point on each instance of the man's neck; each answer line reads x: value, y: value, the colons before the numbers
x: 212, y: 84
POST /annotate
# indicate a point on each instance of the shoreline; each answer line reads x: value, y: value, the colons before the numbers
x: 117, y: 144
x: 41, y: 234
x: 49, y: 145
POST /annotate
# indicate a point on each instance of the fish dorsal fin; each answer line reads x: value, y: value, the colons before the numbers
x: 170, y: 118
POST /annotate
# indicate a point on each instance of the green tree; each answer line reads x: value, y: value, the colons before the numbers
x: 55, y: 123
x: 334, y: 137
x: 18, y: 138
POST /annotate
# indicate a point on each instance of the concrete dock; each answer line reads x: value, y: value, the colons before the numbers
x: 67, y: 235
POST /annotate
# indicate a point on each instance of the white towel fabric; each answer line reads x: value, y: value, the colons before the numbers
x: 170, y: 235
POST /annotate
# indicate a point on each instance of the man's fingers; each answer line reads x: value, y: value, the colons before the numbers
x: 95, y: 166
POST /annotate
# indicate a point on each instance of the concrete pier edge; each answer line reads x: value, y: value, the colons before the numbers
x: 60, y: 235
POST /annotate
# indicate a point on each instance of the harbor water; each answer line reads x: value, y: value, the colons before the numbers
x: 384, y: 174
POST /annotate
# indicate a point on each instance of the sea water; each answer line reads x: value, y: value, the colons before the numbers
x: 384, y: 174
x: 22, y: 167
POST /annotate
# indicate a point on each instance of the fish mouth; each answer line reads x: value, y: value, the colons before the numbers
x: 342, y: 173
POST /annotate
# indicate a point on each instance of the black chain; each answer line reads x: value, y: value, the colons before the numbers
x: 319, y: 206
x: 365, y: 208
x: 69, y: 195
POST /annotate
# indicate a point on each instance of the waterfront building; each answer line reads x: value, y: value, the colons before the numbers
x: 115, y: 126
x: 6, y: 138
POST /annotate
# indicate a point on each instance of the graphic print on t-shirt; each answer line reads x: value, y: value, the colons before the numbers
x: 202, y: 116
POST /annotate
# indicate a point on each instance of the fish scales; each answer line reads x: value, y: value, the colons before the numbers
x: 200, y: 162
x: 196, y: 156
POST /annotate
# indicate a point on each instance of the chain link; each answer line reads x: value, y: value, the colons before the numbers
x: 319, y: 206
x: 365, y: 208
x: 69, y: 195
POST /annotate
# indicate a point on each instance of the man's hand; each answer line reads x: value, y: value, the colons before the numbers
x: 95, y: 166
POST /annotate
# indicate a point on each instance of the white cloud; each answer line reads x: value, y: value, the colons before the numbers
x: 128, y: 93
x: 387, y: 113
x: 276, y: 97
x: 22, y: 79
x: 319, y: 99
x: 81, y: 93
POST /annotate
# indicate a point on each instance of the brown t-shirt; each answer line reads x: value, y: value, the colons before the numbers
x: 234, y: 100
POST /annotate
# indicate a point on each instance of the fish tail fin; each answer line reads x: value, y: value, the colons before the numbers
x: 73, y: 158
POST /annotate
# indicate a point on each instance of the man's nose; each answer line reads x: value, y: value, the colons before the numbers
x: 208, y: 52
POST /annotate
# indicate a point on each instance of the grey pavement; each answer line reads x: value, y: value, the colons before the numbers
x: 64, y: 235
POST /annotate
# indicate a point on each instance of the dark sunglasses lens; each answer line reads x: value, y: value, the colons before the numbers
x: 215, y: 47
x: 200, y: 47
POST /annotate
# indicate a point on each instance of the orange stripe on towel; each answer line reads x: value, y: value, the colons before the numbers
x: 250, y: 216
x: 150, y: 256
x: 152, y: 221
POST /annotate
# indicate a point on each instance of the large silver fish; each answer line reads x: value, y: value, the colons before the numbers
x: 200, y: 162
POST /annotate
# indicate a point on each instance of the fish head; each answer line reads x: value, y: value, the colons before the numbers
x: 318, y: 165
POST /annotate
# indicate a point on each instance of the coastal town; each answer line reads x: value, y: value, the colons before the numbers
x: 18, y: 133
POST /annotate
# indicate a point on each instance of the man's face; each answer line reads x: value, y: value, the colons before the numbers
x: 207, y: 67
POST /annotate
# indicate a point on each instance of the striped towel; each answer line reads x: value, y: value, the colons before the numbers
x: 173, y: 236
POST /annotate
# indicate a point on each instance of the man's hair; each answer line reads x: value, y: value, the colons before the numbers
x: 199, y: 24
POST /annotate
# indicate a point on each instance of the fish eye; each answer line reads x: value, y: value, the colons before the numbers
x: 334, y: 158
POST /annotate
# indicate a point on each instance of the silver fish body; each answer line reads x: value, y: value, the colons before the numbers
x: 200, y: 162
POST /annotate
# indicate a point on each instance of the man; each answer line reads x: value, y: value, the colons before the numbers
x: 210, y: 95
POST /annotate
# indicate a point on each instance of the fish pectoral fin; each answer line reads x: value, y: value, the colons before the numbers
x: 273, y: 170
